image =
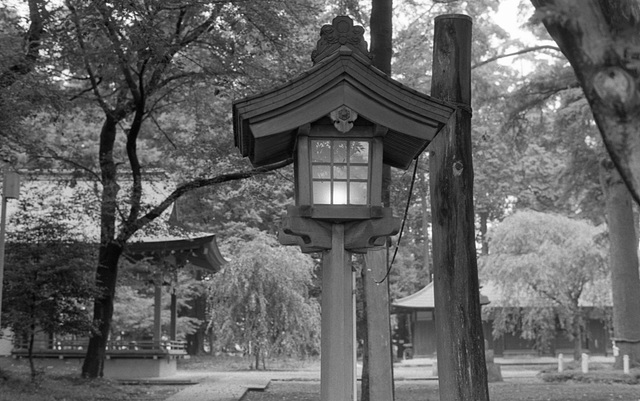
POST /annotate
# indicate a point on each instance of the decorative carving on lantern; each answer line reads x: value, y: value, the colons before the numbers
x: 343, y: 118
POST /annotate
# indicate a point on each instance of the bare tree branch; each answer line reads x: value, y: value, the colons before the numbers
x: 92, y: 77
x: 155, y: 212
x: 523, y: 51
x: 113, y: 35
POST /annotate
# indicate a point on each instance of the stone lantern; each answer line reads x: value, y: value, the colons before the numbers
x: 338, y: 122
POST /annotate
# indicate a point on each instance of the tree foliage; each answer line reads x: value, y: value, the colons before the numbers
x: 261, y: 300
x: 545, y: 267
x: 48, y: 282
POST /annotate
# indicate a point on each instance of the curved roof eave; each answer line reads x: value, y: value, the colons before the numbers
x: 199, y: 251
x: 369, y: 106
x: 345, y: 78
x: 424, y: 299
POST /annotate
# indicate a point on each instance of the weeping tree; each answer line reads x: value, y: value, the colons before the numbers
x: 546, y: 267
x: 261, y: 300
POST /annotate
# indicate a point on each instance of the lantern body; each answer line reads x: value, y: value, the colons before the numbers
x: 338, y: 122
x: 11, y: 185
x: 339, y: 174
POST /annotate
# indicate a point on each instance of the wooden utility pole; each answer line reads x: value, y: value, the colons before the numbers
x: 462, y: 370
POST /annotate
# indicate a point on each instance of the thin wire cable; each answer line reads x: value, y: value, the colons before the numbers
x: 404, y: 220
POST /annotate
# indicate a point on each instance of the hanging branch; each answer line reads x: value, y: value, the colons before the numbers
x: 523, y: 51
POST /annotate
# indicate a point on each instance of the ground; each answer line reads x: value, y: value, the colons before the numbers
x: 62, y: 385
x: 520, y: 384
x: 71, y: 388
x: 507, y: 391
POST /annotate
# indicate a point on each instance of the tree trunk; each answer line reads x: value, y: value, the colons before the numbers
x: 623, y: 260
x: 32, y: 367
x: 578, y: 340
x: 106, y: 278
x: 600, y: 39
x: 376, y: 297
x: 257, y: 357
x: 108, y: 255
x: 212, y: 340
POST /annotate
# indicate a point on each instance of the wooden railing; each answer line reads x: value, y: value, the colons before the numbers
x: 114, y: 349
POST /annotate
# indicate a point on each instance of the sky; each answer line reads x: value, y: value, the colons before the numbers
x: 509, y: 19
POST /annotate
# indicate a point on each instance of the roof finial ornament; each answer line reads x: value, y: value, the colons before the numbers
x: 341, y: 32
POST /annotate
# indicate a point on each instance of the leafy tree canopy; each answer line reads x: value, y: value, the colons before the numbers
x: 541, y: 261
x: 48, y: 282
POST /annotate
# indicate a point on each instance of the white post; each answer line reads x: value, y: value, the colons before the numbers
x: 560, y: 363
x: 625, y: 364
x: 585, y: 363
x: 10, y: 190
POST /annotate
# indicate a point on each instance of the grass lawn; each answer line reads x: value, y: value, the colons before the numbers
x: 66, y: 385
x: 505, y: 391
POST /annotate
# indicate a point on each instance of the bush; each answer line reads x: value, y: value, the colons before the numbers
x: 606, y: 375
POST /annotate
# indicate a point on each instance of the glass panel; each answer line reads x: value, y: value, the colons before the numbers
x: 322, y: 172
x: 358, y: 193
x: 340, y: 152
x: 322, y: 192
x: 339, y: 193
x: 359, y: 152
x: 340, y: 172
x: 321, y: 151
x: 359, y: 173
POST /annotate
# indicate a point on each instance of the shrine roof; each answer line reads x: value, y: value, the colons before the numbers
x: 424, y: 299
x: 199, y: 251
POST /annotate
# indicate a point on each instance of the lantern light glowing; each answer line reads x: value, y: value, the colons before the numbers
x: 339, y: 171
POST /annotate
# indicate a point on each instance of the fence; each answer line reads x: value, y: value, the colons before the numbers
x: 114, y: 349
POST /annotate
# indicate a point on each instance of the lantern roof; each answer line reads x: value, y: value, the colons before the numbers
x: 266, y: 125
